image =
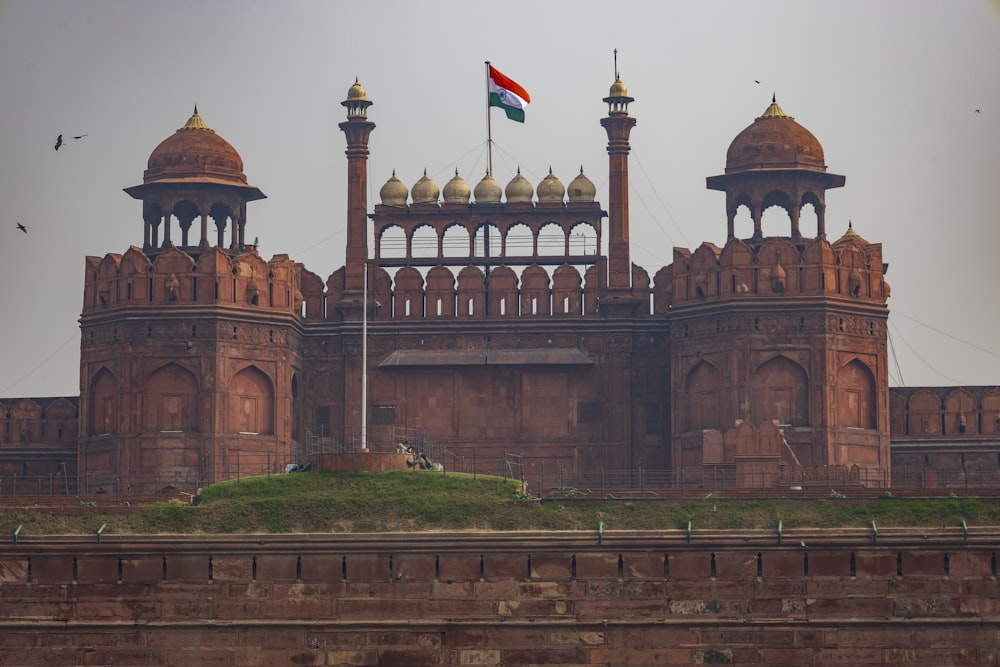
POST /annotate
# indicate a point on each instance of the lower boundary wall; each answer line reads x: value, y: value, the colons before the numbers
x: 606, y: 598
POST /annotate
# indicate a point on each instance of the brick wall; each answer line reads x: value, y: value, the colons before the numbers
x: 623, y: 598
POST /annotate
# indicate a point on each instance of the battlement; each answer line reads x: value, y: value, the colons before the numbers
x: 215, y: 277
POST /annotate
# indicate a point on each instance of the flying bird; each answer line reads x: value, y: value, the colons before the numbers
x: 60, y: 143
x: 977, y: 110
x: 22, y: 228
x: 756, y: 81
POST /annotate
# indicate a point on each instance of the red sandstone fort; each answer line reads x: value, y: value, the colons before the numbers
x: 492, y: 322
x: 481, y: 326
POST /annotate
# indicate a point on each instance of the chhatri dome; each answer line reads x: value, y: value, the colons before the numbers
x: 550, y: 189
x: 774, y: 141
x: 519, y: 189
x: 581, y: 188
x: 394, y: 192
x: 487, y: 191
x: 425, y: 191
x: 456, y: 191
x: 195, y: 153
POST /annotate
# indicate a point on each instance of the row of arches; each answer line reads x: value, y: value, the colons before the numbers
x: 778, y: 390
x: 170, y: 402
x: 959, y: 413
x: 226, y: 215
x: 518, y: 239
x: 776, y: 213
x: 28, y: 421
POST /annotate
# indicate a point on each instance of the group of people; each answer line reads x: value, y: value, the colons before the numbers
x: 415, y: 460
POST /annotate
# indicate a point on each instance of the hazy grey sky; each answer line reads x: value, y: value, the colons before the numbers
x: 890, y: 89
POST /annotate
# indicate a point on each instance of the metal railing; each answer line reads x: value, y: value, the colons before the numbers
x: 543, y: 478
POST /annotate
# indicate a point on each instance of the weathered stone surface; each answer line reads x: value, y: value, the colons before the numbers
x: 925, y: 618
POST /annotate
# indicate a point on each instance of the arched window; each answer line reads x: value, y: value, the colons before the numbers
x: 779, y: 390
x: 171, y: 400
x: 856, y: 406
x: 251, y: 400
x: 103, y: 417
x: 704, y: 391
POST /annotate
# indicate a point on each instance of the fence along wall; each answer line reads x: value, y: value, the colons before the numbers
x: 604, y: 598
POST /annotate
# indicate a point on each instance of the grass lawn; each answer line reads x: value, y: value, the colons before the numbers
x: 319, y: 502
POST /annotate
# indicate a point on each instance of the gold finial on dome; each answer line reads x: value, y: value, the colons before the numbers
x: 195, y: 122
x: 851, y: 236
x: 550, y: 189
x: 394, y: 192
x: 773, y: 110
x: 425, y: 191
x: 357, y: 102
x: 519, y: 189
x: 356, y: 91
x: 487, y: 191
x: 456, y: 191
x: 581, y: 188
x: 618, y: 99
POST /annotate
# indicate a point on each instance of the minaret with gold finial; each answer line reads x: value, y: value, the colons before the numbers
x: 357, y: 128
x: 618, y: 125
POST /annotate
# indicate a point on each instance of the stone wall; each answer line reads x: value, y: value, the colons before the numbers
x: 863, y: 598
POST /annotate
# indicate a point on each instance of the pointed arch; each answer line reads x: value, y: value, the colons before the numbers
x: 251, y: 403
x: 924, y: 414
x: 703, y: 388
x: 103, y: 412
x: 960, y: 412
x: 779, y: 389
x: 170, y: 400
x: 856, y: 406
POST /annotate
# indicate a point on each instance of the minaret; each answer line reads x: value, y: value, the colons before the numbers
x: 618, y: 125
x: 357, y: 127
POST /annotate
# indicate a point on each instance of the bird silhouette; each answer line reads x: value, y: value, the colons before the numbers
x: 22, y: 228
x: 977, y: 110
x: 60, y: 143
x: 756, y: 81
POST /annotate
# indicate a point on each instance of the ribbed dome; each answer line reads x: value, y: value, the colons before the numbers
x: 394, y: 192
x: 195, y: 153
x: 581, y: 188
x: 519, y: 189
x: 550, y: 189
x: 425, y: 191
x: 774, y: 141
x: 488, y: 191
x: 851, y: 236
x: 456, y: 191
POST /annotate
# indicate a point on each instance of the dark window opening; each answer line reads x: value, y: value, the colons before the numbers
x: 384, y: 415
x: 588, y: 413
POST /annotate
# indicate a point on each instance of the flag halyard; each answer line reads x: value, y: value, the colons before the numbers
x: 507, y: 94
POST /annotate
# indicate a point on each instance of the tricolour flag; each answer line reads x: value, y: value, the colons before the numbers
x: 508, y: 95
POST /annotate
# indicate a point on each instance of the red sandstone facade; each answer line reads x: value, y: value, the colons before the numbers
x: 494, y: 320
x: 895, y: 597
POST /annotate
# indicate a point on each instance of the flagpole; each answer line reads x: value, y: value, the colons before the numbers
x: 489, y: 127
x: 489, y: 172
x: 364, y: 365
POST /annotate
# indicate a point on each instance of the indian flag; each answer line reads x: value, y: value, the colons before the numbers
x: 508, y: 95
